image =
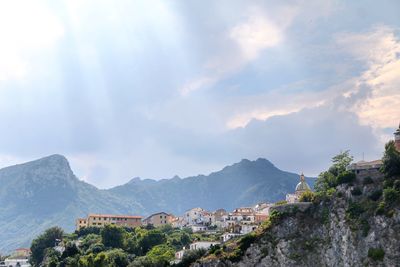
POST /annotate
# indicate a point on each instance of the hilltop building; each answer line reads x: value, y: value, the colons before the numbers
x: 301, y: 187
x: 397, y: 139
x: 100, y: 220
x: 158, y: 219
x: 371, y: 169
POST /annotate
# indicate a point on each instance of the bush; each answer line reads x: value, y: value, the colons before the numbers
x: 356, y: 191
x: 396, y: 185
x: 307, y: 196
x: 391, y: 160
x: 381, y: 208
x: 354, y: 210
x: 346, y: 177
x: 375, y: 195
x: 368, y: 180
x: 391, y: 195
x: 376, y: 254
x: 281, y: 202
x: 112, y: 236
x: 190, y: 256
x: 42, y: 242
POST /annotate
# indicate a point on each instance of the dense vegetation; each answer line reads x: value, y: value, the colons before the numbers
x: 114, y: 246
x: 362, y: 199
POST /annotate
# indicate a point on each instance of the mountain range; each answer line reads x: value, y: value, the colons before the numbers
x: 43, y: 193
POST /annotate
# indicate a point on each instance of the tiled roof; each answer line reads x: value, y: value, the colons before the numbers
x: 115, y: 216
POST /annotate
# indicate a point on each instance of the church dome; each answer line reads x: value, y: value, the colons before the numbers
x: 302, y: 186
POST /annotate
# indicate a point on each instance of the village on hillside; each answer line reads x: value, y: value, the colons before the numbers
x: 227, y: 225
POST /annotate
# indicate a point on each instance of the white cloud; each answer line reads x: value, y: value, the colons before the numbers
x: 26, y: 27
x: 379, y: 50
x: 244, y: 42
x: 373, y: 95
x: 255, y: 35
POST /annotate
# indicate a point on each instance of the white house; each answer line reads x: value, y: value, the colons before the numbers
x: 179, y: 254
x: 247, y: 228
x: 194, y: 216
x: 198, y: 228
x: 203, y: 245
x: 15, y: 263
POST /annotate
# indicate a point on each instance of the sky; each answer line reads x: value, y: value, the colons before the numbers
x: 154, y: 89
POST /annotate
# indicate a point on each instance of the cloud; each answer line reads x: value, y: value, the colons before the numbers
x: 243, y: 43
x: 379, y: 50
x: 26, y: 28
x: 255, y: 35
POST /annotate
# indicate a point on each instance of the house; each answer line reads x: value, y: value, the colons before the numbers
x: 364, y: 169
x: 301, y: 187
x: 198, y: 228
x: 158, y: 219
x: 9, y: 262
x: 21, y: 253
x: 178, y: 222
x: 247, y: 228
x: 99, y: 220
x: 209, y: 218
x: 80, y: 223
x: 194, y: 216
x: 203, y: 245
x: 261, y: 217
x: 179, y: 254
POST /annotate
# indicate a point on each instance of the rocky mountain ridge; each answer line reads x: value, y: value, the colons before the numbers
x: 43, y: 193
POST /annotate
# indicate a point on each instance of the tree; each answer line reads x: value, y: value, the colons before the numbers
x: 341, y: 162
x: 43, y: 242
x: 112, y: 236
x: 150, y: 239
x: 391, y: 160
x: 330, y: 178
x: 161, y: 254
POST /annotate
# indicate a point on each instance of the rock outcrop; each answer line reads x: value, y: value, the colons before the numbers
x: 347, y: 229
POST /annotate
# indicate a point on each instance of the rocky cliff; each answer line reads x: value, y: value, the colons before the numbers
x: 354, y: 224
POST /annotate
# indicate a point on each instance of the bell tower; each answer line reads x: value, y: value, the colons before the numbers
x: 397, y: 139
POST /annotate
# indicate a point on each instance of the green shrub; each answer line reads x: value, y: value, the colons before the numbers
x: 365, y: 227
x: 376, y: 254
x: 246, y: 241
x: 356, y: 191
x: 307, y: 196
x: 354, y: 210
x: 388, y: 183
x: 391, y: 195
x: 391, y: 160
x: 368, y: 180
x: 381, y: 208
x: 281, y: 202
x: 396, y: 185
x: 375, y: 195
x: 346, y: 177
x: 190, y: 256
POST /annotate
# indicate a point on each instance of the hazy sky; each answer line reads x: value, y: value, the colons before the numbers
x: 158, y: 88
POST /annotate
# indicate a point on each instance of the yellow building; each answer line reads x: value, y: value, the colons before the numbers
x: 99, y: 220
x: 158, y: 219
x: 80, y: 223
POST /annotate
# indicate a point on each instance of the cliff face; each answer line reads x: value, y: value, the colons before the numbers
x: 343, y: 231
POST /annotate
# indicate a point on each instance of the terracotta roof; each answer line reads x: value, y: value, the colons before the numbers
x: 115, y: 216
x: 154, y: 214
x: 24, y: 249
